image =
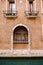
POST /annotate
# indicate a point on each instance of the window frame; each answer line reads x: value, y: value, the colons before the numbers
x: 27, y: 3
x: 7, y: 3
x: 28, y: 37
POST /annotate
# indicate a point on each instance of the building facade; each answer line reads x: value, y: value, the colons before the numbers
x: 21, y: 28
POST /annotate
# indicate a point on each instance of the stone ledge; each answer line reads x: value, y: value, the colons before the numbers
x: 21, y: 53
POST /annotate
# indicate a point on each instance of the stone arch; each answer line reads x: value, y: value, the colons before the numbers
x: 22, y: 26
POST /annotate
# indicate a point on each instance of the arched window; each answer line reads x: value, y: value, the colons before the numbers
x: 20, y: 38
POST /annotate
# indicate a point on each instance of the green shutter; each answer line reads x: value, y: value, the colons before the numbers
x: 21, y: 61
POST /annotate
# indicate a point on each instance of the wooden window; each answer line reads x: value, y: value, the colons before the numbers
x: 20, y: 35
x: 20, y: 38
x: 10, y: 9
x: 12, y: 6
x: 31, y: 6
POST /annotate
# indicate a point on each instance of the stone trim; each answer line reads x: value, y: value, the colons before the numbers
x: 21, y: 53
x: 42, y: 32
x: 41, y: 6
